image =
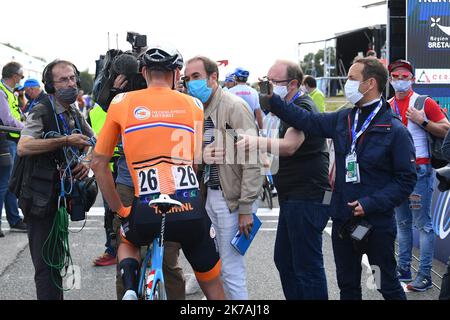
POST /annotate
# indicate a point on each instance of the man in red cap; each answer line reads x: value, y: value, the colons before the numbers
x: 422, y: 116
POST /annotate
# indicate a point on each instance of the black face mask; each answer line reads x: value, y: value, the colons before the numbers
x: 67, y: 96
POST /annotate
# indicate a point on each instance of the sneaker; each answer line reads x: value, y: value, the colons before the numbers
x: 404, y: 275
x: 105, y: 260
x: 2, y: 235
x: 19, y: 227
x: 130, y: 295
x: 420, y: 284
x: 192, y: 286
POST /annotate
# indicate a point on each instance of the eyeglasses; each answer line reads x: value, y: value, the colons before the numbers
x: 67, y: 80
x: 20, y: 75
x: 278, y: 82
x: 402, y: 75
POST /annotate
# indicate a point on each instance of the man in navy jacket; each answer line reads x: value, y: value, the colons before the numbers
x: 375, y: 172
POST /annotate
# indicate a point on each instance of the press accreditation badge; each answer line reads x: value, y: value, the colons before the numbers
x: 352, y: 169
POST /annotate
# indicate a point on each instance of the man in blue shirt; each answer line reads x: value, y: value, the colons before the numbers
x: 33, y: 93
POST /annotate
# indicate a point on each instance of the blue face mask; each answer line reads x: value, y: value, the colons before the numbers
x: 401, y: 85
x: 199, y: 89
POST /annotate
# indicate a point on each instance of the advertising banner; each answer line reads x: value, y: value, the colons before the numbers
x: 428, y: 47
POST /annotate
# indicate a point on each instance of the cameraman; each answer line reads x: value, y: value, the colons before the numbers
x: 39, y: 189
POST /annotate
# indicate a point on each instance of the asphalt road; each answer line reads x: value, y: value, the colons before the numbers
x: 98, y: 283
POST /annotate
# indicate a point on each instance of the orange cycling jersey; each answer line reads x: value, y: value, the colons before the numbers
x: 162, y: 133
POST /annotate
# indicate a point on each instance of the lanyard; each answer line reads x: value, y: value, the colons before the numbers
x: 356, y: 135
x: 397, y: 109
x: 297, y: 95
x: 66, y: 126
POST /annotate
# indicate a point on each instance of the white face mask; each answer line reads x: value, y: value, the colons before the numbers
x: 352, y: 91
x: 401, y: 85
x: 303, y: 89
x: 281, y: 91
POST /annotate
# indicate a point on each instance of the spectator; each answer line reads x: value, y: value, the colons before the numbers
x: 250, y: 95
x: 230, y: 82
x: 232, y: 189
x: 310, y: 86
x: 303, y: 190
x: 375, y: 172
x: 33, y: 93
x: 10, y: 115
x: 429, y: 119
x: 96, y: 119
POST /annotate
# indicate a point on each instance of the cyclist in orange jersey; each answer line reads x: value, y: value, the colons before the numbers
x: 162, y: 132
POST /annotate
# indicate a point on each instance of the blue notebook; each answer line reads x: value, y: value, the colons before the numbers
x: 240, y: 241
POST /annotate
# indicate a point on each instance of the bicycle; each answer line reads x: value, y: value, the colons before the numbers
x: 151, y: 279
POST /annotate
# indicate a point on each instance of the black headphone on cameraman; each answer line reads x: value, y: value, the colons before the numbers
x: 47, y: 76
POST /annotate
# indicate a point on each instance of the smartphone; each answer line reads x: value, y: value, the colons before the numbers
x: 360, y: 232
x: 232, y: 132
x: 264, y: 87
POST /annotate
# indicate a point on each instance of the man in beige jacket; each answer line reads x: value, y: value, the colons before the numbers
x: 232, y: 182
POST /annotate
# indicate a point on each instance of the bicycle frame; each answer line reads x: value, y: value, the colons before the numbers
x: 150, y: 277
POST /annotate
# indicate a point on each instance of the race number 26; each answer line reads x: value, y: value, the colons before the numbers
x: 148, y: 181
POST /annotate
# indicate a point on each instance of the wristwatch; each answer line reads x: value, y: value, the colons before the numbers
x: 424, y: 123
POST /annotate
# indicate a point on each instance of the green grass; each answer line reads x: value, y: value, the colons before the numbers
x: 334, y: 103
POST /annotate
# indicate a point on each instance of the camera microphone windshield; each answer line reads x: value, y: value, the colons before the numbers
x: 126, y: 64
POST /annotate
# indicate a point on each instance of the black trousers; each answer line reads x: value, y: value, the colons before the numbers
x: 44, y: 276
x: 381, y: 254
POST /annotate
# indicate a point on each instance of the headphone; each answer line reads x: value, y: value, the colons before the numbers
x: 47, y: 76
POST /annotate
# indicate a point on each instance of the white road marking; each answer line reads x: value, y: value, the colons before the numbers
x: 76, y: 229
x: 100, y: 212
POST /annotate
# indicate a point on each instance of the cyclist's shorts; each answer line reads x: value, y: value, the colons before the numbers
x: 190, y: 226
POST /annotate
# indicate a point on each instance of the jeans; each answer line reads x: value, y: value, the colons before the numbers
x: 11, y: 206
x: 298, y: 249
x: 416, y: 211
x: 226, y: 224
x: 381, y: 256
x: 4, y: 177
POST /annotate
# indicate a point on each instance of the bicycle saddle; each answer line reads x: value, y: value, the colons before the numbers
x: 165, y: 203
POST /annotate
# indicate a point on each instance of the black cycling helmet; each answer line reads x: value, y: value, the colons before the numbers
x: 162, y: 58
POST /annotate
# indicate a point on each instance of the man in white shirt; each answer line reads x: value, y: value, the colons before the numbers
x: 247, y: 93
